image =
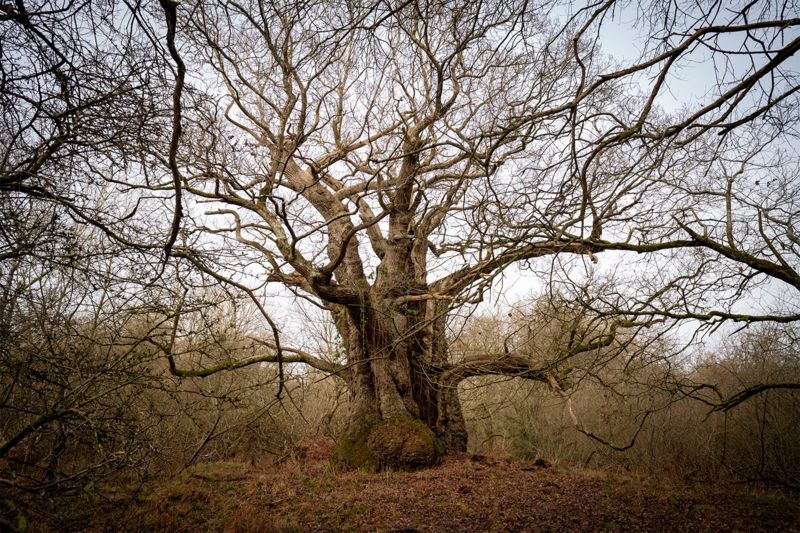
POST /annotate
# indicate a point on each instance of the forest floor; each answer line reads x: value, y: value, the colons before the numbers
x: 465, y: 493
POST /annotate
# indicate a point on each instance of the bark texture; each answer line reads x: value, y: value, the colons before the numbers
x: 396, y: 361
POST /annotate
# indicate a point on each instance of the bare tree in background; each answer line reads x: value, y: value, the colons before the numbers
x: 84, y: 111
x: 84, y: 97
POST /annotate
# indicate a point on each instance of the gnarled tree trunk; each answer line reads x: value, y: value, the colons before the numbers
x: 396, y: 356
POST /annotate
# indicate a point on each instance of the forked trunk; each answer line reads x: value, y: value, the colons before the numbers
x: 390, y: 378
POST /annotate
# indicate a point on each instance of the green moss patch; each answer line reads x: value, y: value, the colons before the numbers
x: 393, y: 444
x: 352, y: 452
x: 404, y: 444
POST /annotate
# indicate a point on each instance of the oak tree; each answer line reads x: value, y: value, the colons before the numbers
x: 390, y: 161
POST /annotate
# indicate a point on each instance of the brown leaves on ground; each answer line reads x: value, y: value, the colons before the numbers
x: 462, y: 494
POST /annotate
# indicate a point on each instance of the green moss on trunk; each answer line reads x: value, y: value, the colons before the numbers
x: 404, y: 444
x: 393, y: 444
x: 352, y: 452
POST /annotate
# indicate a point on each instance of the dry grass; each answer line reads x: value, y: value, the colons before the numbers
x: 465, y: 493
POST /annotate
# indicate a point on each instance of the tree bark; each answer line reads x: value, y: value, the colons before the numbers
x: 395, y: 365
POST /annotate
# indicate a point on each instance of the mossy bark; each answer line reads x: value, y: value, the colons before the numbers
x: 396, y: 350
x: 404, y: 444
x: 399, y: 443
x: 392, y: 375
x: 352, y: 452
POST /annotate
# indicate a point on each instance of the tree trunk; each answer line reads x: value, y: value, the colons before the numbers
x: 394, y: 366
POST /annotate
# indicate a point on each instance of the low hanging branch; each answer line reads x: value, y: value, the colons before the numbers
x: 171, y: 13
x: 746, y: 394
x: 553, y: 382
x: 280, y: 355
x: 41, y: 421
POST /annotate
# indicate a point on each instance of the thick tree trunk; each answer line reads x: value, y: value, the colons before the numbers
x: 440, y: 408
x: 373, y: 395
x: 396, y: 375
